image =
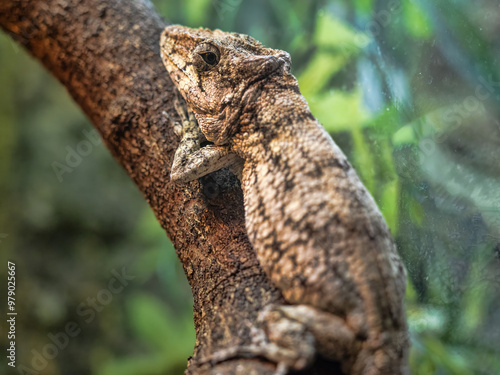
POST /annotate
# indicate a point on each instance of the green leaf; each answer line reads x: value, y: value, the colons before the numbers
x: 338, y: 110
x: 389, y: 205
x: 154, y: 324
x: 171, y: 341
x: 154, y: 364
x: 196, y: 11
x: 416, y: 212
x: 320, y: 69
x: 336, y: 44
x: 416, y: 20
x: 477, y: 296
x: 445, y: 357
x: 432, y: 124
x: 335, y: 34
x: 386, y: 122
x: 411, y: 293
x: 404, y: 136
x: 156, y: 246
x: 363, y: 158
x: 364, y: 6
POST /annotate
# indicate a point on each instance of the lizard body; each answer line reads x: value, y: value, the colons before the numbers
x: 316, y: 230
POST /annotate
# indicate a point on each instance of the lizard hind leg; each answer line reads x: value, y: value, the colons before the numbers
x: 334, y: 340
x: 289, y: 342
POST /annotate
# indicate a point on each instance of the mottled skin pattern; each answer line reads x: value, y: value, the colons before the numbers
x: 316, y: 230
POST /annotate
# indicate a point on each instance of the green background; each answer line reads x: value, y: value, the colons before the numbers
x: 410, y: 90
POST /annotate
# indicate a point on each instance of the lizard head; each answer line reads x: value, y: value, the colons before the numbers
x: 217, y: 74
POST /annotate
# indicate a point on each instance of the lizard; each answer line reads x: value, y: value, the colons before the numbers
x: 316, y: 230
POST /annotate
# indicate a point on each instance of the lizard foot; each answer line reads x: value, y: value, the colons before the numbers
x: 194, y: 158
x: 331, y: 336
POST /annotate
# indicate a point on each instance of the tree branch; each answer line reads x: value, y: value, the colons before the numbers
x: 106, y: 53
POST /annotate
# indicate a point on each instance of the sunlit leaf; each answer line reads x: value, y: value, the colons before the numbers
x: 411, y: 293
x: 403, y: 136
x: 319, y: 70
x: 335, y: 34
x: 363, y: 158
x: 416, y: 212
x: 364, y: 6
x: 196, y: 11
x: 339, y: 110
x: 389, y: 205
x: 153, y: 323
x: 477, y: 294
x: 416, y: 20
x: 445, y: 357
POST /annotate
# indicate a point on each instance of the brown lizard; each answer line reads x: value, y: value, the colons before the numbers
x: 316, y: 230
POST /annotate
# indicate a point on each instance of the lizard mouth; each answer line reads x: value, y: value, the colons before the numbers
x: 174, y: 67
x: 182, y: 80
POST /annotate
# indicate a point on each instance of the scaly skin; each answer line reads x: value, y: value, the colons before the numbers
x: 316, y: 230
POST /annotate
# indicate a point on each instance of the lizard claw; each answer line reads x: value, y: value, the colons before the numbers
x: 176, y: 124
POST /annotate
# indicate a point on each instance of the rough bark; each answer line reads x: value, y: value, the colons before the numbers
x: 106, y: 54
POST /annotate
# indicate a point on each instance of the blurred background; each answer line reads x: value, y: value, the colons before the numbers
x: 410, y: 90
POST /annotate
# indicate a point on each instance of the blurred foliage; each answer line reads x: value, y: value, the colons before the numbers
x: 409, y: 90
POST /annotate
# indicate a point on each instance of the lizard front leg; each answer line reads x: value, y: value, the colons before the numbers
x: 192, y: 160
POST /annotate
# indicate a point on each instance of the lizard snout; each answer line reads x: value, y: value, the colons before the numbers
x: 265, y: 65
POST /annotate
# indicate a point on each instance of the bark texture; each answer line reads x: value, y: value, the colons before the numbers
x: 106, y: 53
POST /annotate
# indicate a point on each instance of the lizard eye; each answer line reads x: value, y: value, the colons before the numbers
x: 207, y: 56
x: 210, y: 58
